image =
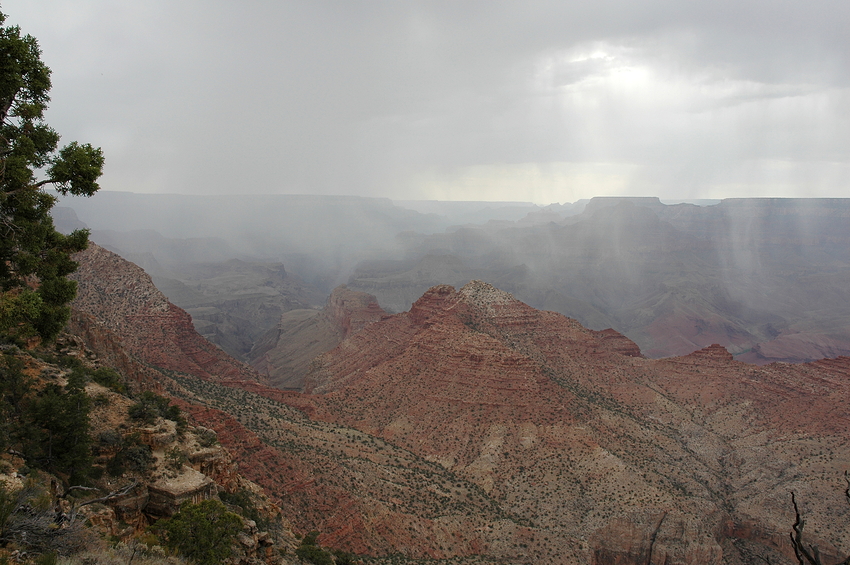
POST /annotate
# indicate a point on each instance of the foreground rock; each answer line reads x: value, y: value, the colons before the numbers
x: 143, y: 470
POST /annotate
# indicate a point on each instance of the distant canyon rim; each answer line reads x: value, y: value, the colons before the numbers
x: 767, y: 278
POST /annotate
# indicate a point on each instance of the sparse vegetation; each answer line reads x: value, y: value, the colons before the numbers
x: 808, y: 553
x: 206, y: 438
x: 132, y: 455
x: 152, y: 406
x: 175, y: 458
x: 110, y: 378
x: 28, y: 519
x: 242, y: 499
x: 50, y: 426
x: 312, y: 553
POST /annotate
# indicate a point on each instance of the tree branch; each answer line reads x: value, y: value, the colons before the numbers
x: 114, y: 494
x: 43, y: 182
x: 800, y: 550
x: 76, y: 487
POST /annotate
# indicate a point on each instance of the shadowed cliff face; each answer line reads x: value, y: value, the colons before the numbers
x: 285, y: 352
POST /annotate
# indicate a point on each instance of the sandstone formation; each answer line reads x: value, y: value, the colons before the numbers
x: 123, y: 299
x: 591, y: 444
x: 284, y: 354
x: 476, y: 427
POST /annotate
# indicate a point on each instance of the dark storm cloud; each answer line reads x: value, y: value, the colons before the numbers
x: 543, y: 101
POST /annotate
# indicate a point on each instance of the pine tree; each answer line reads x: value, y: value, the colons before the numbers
x: 35, y: 259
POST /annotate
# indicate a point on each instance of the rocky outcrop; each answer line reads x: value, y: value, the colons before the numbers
x: 352, y: 311
x: 167, y: 494
x: 584, y: 439
x: 285, y: 352
x: 143, y: 470
x: 121, y: 298
x: 655, y: 538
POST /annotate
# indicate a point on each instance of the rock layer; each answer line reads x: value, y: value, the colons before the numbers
x: 579, y: 435
x: 123, y: 299
x: 284, y: 354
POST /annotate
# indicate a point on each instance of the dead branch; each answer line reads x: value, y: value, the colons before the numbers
x: 76, y: 487
x: 114, y: 494
x: 810, y: 555
x: 800, y: 550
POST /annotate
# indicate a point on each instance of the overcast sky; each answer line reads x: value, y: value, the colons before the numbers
x: 543, y: 101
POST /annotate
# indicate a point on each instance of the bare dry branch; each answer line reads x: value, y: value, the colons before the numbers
x: 76, y: 487
x: 800, y: 550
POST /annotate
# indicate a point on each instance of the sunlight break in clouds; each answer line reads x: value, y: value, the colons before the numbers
x: 627, y: 123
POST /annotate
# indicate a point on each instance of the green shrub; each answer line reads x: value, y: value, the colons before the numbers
x: 110, y: 378
x: 109, y: 438
x: 311, y: 553
x: 206, y: 438
x: 152, y: 406
x: 15, y: 388
x: 310, y: 538
x: 133, y: 455
x: 8, y: 502
x: 48, y: 558
x: 242, y: 499
x: 55, y: 431
x: 137, y: 457
x: 204, y: 532
x: 344, y: 557
x: 315, y: 555
x: 175, y: 458
x: 101, y: 400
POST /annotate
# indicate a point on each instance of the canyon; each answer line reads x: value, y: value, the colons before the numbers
x: 766, y: 278
x: 476, y: 427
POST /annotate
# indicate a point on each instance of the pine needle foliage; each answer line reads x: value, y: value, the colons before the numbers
x: 35, y: 259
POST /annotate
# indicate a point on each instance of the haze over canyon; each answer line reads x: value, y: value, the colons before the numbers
x: 474, y: 427
x: 507, y: 383
x: 765, y: 278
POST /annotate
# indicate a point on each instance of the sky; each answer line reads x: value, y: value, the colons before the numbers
x: 540, y: 101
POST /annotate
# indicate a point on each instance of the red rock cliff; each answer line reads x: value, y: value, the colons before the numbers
x: 122, y: 298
